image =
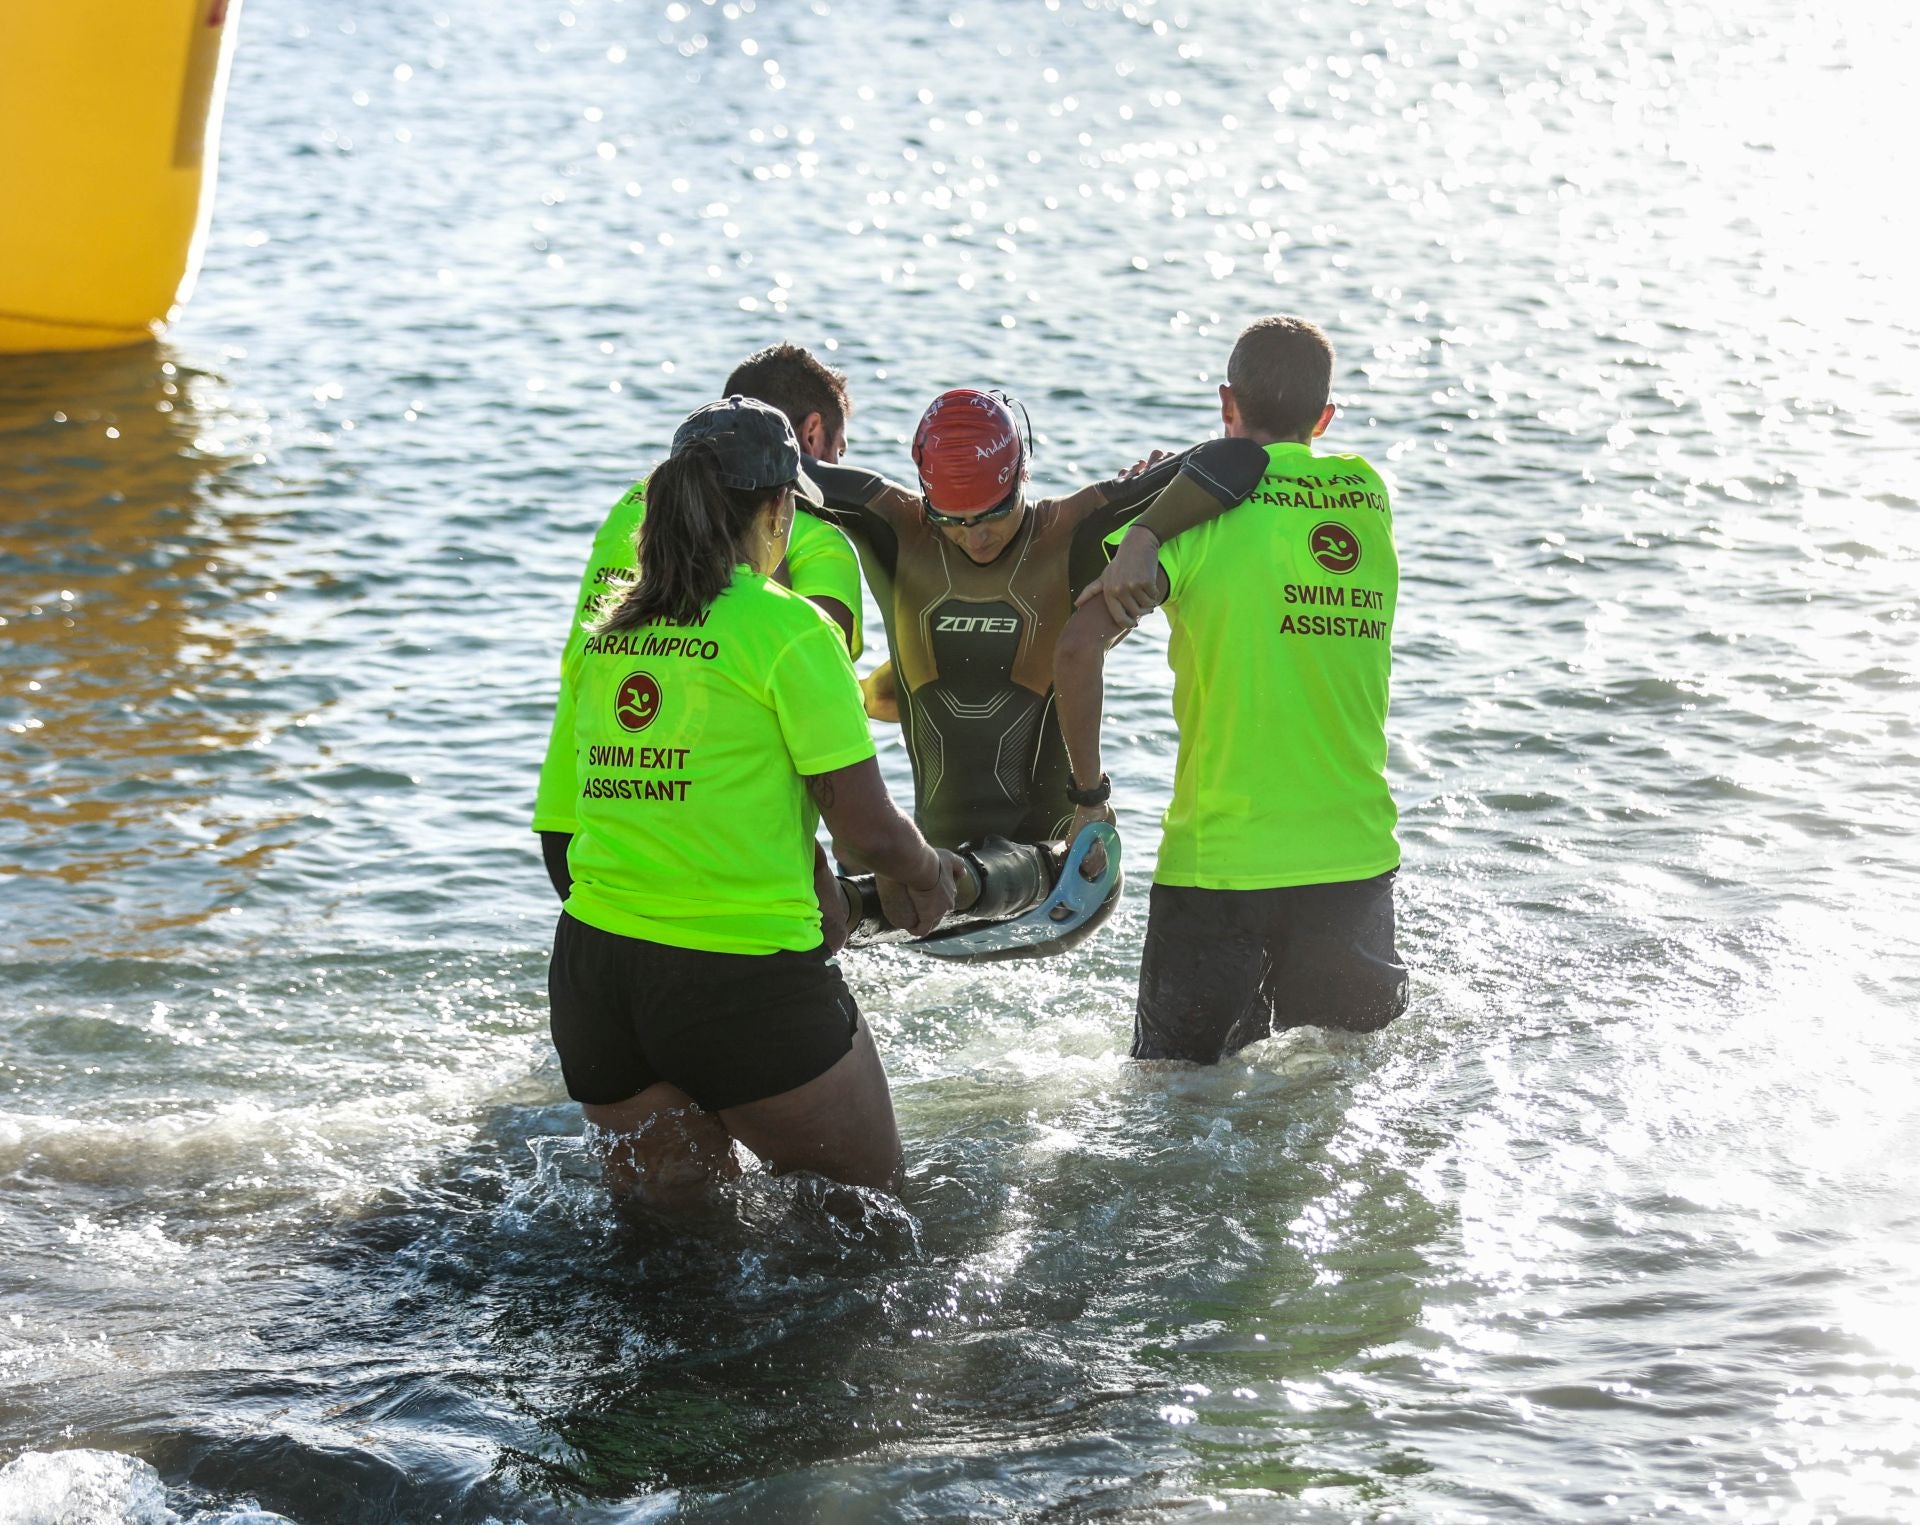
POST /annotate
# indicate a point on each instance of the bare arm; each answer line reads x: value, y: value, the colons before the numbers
x: 836, y: 611
x: 881, y: 689
x: 833, y: 608
x: 916, y: 882
x: 1079, y: 683
x: 833, y: 905
x: 553, y: 849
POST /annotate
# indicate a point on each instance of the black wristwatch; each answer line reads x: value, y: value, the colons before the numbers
x: 1097, y: 795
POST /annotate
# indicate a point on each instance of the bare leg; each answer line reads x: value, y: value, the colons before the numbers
x: 662, y: 1151
x: 839, y: 1124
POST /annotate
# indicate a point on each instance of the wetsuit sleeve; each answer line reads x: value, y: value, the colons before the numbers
x: 1215, y: 477
x: 817, y: 701
x: 1202, y: 482
x: 1208, y: 479
x: 861, y: 502
x: 820, y: 564
x: 874, y: 512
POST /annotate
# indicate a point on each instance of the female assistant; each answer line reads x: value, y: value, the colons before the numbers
x: 695, y: 999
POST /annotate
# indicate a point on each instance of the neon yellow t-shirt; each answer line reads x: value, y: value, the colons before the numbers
x: 820, y: 564
x: 694, y: 827
x: 1282, y: 615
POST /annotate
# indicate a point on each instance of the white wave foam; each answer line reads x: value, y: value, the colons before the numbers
x: 82, y: 1487
x: 337, y: 1147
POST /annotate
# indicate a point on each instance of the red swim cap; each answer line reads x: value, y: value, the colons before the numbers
x: 969, y: 452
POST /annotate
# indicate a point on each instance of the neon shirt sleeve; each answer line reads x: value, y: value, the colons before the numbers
x: 554, y: 805
x: 817, y: 701
x: 821, y: 564
x: 1178, y: 557
x: 553, y: 802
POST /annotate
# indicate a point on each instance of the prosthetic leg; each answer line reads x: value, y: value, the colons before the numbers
x: 1015, y: 900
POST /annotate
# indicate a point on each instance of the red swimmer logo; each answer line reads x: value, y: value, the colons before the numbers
x: 1335, y: 547
x: 636, y: 705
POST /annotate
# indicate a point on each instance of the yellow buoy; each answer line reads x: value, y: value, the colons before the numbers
x: 109, y: 133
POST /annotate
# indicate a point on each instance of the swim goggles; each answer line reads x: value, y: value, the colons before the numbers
x: 999, y: 510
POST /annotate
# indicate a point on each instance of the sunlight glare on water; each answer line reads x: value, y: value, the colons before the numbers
x: 1611, y: 1226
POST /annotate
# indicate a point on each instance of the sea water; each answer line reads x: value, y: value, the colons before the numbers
x: 1619, y: 1222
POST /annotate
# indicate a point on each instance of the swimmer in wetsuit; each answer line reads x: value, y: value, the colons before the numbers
x: 975, y: 582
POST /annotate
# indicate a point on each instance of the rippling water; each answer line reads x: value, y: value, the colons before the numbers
x: 1618, y: 1223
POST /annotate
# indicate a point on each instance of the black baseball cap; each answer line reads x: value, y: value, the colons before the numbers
x: 754, y: 444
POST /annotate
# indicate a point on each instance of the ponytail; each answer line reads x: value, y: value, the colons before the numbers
x: 691, y: 539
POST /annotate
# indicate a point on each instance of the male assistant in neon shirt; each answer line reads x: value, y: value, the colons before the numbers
x: 819, y: 564
x: 1272, y: 903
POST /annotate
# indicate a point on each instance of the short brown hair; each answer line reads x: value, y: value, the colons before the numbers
x: 1281, y: 372
x: 796, y: 381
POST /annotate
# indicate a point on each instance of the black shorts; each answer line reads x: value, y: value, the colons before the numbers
x: 1225, y: 968
x: 726, y: 1028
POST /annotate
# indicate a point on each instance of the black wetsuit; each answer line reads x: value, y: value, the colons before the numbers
x: 973, y: 644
